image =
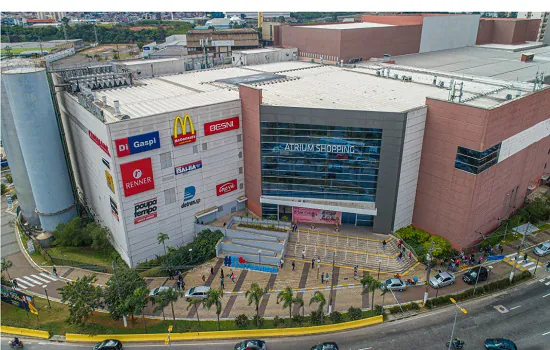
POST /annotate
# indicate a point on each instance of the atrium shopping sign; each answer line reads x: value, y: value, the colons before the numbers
x: 137, y: 144
x: 321, y: 148
x: 185, y: 136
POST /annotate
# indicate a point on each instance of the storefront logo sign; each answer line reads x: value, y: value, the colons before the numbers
x: 110, y: 182
x: 221, y: 126
x: 106, y: 162
x: 98, y: 142
x: 188, y: 195
x: 138, y: 143
x: 226, y: 187
x: 137, y: 176
x: 184, y: 137
x: 145, y: 210
x: 182, y: 169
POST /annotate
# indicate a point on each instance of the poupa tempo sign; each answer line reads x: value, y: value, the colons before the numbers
x: 321, y: 148
x: 145, y: 210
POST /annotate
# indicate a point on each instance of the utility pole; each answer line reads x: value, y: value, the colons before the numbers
x: 331, y: 284
x: 95, y: 33
x: 119, y: 296
x: 520, y: 246
x: 429, y: 269
x: 454, y: 323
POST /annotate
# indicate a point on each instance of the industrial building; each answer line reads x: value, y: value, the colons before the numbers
x: 221, y: 42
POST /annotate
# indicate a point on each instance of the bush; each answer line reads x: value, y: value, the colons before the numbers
x: 355, y: 313
x: 4, y: 188
x: 406, y: 307
x: 258, y: 320
x: 315, y: 318
x: 277, y: 321
x: 336, y: 317
x: 203, y: 249
x: 298, y: 320
x: 379, y: 309
x: 262, y: 227
x: 242, y: 321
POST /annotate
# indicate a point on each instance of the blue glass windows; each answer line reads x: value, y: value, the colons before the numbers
x: 476, y: 162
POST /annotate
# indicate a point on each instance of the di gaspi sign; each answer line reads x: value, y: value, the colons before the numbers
x: 185, y: 136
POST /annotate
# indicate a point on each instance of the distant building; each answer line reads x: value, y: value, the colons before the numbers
x: 254, y: 15
x: 222, y: 42
x: 543, y: 16
x: 268, y: 32
x: 225, y: 23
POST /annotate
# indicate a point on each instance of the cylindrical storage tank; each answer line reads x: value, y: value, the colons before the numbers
x: 35, y: 120
x: 11, y: 145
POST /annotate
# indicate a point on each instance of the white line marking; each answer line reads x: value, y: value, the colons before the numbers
x: 546, y: 333
x: 515, y: 307
x: 23, y: 282
x: 528, y: 264
x: 20, y: 287
x: 40, y: 279
x: 542, y: 280
x: 48, y: 276
x: 547, y: 284
x: 371, y: 348
x: 544, y: 296
x: 31, y: 280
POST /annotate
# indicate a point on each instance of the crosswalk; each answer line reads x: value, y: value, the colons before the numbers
x: 545, y: 280
x: 40, y: 279
x: 523, y: 265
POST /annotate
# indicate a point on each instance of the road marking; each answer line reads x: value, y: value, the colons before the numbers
x: 547, y: 284
x: 48, y: 276
x: 515, y: 307
x: 31, y: 280
x: 23, y: 282
x: 365, y: 349
x: 40, y: 279
x: 528, y: 264
x: 501, y: 308
x: 546, y: 333
x: 544, y: 296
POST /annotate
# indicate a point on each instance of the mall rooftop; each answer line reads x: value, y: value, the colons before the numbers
x: 373, y: 86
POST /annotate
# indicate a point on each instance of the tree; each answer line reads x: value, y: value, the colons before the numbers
x: 140, y: 45
x: 319, y: 298
x: 255, y: 295
x: 213, y: 297
x: 83, y: 298
x: 195, y: 303
x: 287, y: 297
x: 161, y: 304
x: 6, y: 264
x: 370, y: 284
x: 300, y: 302
x: 128, y: 280
x: 161, y: 238
x: 9, y: 178
x: 4, y: 188
x: 136, y: 303
x: 282, y: 19
x: 170, y: 296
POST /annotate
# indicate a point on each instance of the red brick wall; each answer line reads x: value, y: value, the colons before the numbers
x: 250, y: 103
x: 485, y: 32
x: 455, y: 204
x: 503, y: 32
x: 400, y: 20
x: 518, y: 37
x: 507, y: 31
x: 312, y: 40
x: 532, y: 31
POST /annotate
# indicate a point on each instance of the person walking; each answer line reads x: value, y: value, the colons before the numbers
x: 204, y: 279
x: 170, y: 274
x: 400, y: 256
x: 326, y: 278
x: 282, y: 263
x: 182, y: 285
x: 54, y: 270
x: 480, y: 260
x: 411, y: 256
x: 293, y: 265
x: 404, y: 250
x: 501, y: 249
x: 312, y: 263
x: 221, y: 273
x: 211, y: 270
x: 318, y: 262
x: 178, y: 285
x: 222, y: 284
x: 14, y: 284
x: 303, y: 253
x: 525, y: 257
x: 323, y: 278
x: 232, y: 277
x: 384, y: 244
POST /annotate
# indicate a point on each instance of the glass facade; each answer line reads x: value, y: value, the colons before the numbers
x: 320, y: 161
x: 476, y: 162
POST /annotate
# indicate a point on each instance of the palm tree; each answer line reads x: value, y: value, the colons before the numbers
x: 255, y: 295
x: 140, y: 299
x: 170, y: 296
x: 160, y: 305
x: 161, y: 238
x: 213, y: 297
x: 6, y: 264
x: 300, y: 302
x: 370, y: 284
x: 195, y: 303
x: 287, y: 297
x: 319, y: 297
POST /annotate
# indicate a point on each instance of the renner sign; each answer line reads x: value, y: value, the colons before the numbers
x: 226, y: 187
x: 137, y: 177
x: 221, y: 126
x: 137, y: 144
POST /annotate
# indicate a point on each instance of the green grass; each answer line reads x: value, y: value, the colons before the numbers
x: 86, y: 255
x: 54, y: 321
x: 544, y: 227
x: 16, y: 51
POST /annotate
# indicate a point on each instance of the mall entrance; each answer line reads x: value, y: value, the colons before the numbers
x: 317, y: 217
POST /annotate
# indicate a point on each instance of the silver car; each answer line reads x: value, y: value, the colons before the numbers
x: 442, y: 279
x: 395, y: 284
x: 197, y: 293
x: 542, y: 249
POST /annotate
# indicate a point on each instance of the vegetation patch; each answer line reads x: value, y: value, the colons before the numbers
x: 271, y: 227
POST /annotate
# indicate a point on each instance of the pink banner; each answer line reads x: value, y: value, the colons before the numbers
x: 316, y: 216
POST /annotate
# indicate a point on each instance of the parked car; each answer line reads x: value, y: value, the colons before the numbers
x: 471, y: 277
x: 325, y: 346
x: 500, y: 344
x: 542, y: 249
x: 250, y: 344
x: 156, y: 291
x: 395, y: 284
x: 109, y: 344
x: 442, y: 279
x: 196, y: 293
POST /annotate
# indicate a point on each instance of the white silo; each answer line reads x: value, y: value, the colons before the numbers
x: 30, y: 100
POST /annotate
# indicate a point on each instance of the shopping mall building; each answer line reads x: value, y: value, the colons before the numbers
x: 373, y: 145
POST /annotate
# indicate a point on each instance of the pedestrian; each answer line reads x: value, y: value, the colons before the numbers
x: 229, y: 260
x: 312, y: 263
x: 222, y: 284
x: 525, y: 257
x: 318, y: 262
x: 178, y: 285
x: 519, y: 248
x: 14, y: 284
x: 183, y: 285
x: 411, y: 256
x: 293, y: 265
x: 458, y: 262
x: 453, y: 266
x: 326, y: 278
x: 180, y: 277
x: 384, y: 244
x: 54, y: 270
x: 480, y: 260
x: 303, y: 253
x: 440, y: 261
x: 211, y: 270
x: 282, y: 263
x: 501, y: 249
x: 400, y: 256
x: 203, y: 279
x: 170, y: 274
x: 404, y: 250
x: 221, y: 273
x: 224, y: 224
x: 232, y: 277
x: 323, y: 278
x: 400, y: 243
x: 449, y: 266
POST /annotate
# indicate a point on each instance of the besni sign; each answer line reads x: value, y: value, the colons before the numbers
x: 137, y: 144
x: 182, y: 169
x: 185, y: 136
x: 188, y: 195
x: 137, y: 177
x: 221, y: 126
x: 145, y: 210
x: 226, y: 187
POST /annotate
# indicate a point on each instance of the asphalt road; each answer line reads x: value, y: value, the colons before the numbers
x: 9, y: 243
x: 525, y: 320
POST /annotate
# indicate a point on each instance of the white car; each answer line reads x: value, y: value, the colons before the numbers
x: 395, y: 284
x: 442, y: 279
x: 196, y: 293
x: 542, y: 249
x: 156, y: 291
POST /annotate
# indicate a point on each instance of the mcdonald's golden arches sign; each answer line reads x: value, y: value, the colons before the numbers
x: 185, y: 136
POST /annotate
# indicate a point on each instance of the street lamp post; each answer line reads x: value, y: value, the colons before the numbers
x: 259, y: 256
x: 47, y: 297
x: 379, y: 263
x: 454, y: 323
x: 477, y: 278
x: 536, y: 265
x: 520, y: 246
x: 331, y: 284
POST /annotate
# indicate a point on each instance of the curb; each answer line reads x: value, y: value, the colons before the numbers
x: 268, y: 333
x: 25, y: 332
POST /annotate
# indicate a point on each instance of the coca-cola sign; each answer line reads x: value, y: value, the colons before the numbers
x: 226, y: 187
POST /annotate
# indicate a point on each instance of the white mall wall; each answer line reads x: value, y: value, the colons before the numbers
x: 448, y: 32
